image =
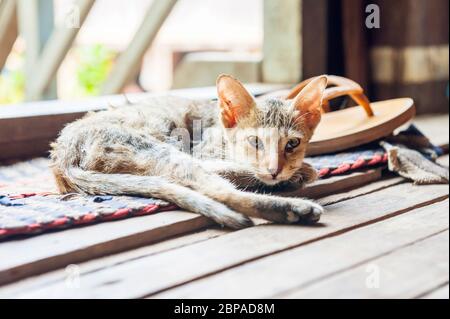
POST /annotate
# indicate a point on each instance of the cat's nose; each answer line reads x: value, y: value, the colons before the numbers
x: 274, y: 172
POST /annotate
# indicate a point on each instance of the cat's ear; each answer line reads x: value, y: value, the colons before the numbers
x: 234, y: 100
x: 308, y: 102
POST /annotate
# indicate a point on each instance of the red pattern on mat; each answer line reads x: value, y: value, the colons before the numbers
x: 90, y: 218
x: 134, y: 209
x: 358, y: 164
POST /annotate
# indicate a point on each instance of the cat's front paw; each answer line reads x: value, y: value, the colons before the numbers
x: 289, y: 210
x: 304, y: 211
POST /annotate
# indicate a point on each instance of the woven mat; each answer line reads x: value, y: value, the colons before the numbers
x: 29, y: 203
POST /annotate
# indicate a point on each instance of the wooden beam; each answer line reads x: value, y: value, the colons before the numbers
x: 35, y: 25
x: 8, y: 28
x: 282, y: 41
x: 55, y: 50
x: 127, y: 65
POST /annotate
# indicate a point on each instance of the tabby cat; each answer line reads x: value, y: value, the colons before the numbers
x: 133, y: 150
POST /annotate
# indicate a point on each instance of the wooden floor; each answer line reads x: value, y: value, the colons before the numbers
x: 384, y: 239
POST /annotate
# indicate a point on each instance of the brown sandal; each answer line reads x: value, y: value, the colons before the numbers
x: 358, y: 125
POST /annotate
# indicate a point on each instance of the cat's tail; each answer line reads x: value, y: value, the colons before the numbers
x: 95, y: 183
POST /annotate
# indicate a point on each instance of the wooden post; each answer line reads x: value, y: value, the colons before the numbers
x: 355, y: 35
x: 56, y: 49
x: 282, y: 41
x: 8, y: 28
x: 314, y: 38
x: 129, y: 61
x: 36, y: 21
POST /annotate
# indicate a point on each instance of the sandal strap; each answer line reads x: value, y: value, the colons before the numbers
x: 342, y: 86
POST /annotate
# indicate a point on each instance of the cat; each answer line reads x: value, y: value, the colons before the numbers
x: 132, y: 150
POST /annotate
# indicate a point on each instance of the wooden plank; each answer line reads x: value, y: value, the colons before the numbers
x: 127, y: 65
x: 58, y: 254
x: 440, y: 293
x: 165, y: 270
x: 112, y: 260
x: 55, y: 50
x: 342, y: 195
x: 443, y: 160
x: 282, y: 41
x: 335, y: 184
x: 404, y: 273
x: 31, y: 256
x: 435, y: 127
x: 8, y: 29
x: 294, y: 269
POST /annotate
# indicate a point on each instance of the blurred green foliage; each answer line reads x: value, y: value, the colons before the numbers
x: 12, y: 86
x: 95, y: 62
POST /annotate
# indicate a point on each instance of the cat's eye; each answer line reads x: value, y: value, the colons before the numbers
x: 256, y: 142
x: 292, y: 144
